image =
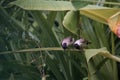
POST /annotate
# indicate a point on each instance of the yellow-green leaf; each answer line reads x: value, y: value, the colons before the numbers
x: 114, y: 23
x: 98, y: 13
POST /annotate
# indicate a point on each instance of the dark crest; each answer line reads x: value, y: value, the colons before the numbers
x: 64, y: 46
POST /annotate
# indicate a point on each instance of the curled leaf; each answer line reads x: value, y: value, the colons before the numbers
x: 70, y: 21
x: 114, y: 23
x: 89, y: 53
x: 106, y: 15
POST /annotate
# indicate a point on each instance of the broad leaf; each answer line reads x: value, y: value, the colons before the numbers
x: 48, y: 5
x: 70, y: 21
x: 98, y: 13
x: 93, y: 69
x: 89, y: 53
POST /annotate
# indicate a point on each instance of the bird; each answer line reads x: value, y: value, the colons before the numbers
x: 66, y: 42
x: 81, y: 43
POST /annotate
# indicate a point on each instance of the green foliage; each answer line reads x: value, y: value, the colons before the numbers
x: 32, y: 37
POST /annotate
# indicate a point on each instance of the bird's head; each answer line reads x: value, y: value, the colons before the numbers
x: 64, y: 46
x: 76, y: 46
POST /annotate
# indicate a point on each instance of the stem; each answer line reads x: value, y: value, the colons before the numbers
x: 115, y: 73
x: 38, y: 49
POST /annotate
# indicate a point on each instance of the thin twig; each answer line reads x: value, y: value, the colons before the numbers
x: 38, y: 49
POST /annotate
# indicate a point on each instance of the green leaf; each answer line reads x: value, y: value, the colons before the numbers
x: 48, y: 5
x: 53, y: 67
x: 88, y: 32
x: 89, y: 53
x: 70, y: 21
x: 11, y: 77
x: 54, y: 5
